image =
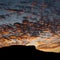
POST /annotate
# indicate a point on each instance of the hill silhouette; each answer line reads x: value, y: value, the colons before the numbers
x: 28, y: 51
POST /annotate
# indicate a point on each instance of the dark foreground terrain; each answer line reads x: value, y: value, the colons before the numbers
x: 29, y: 52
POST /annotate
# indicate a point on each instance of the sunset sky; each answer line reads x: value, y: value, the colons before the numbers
x: 12, y: 11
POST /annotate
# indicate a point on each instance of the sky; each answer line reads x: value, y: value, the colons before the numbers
x: 13, y: 15
x: 12, y: 4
